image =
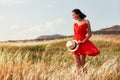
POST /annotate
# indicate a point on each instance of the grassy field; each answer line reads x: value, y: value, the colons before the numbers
x: 51, y: 60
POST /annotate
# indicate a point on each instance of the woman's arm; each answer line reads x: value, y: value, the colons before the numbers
x: 89, y: 33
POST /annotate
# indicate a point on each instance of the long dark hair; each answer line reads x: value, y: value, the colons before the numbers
x: 77, y: 11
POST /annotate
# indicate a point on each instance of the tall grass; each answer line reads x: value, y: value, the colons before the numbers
x: 50, y: 60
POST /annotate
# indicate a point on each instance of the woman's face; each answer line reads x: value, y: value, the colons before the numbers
x: 75, y: 16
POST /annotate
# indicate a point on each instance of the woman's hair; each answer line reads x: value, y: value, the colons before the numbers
x: 77, y: 11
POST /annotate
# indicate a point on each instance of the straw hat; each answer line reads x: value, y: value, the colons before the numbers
x: 72, y: 45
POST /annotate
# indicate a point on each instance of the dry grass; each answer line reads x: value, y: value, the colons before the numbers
x: 55, y: 62
x: 113, y: 38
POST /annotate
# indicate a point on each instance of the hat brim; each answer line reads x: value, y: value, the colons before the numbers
x: 77, y: 46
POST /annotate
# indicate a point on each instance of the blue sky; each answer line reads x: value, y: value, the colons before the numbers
x: 28, y: 19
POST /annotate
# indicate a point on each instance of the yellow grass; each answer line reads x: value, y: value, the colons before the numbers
x: 55, y: 62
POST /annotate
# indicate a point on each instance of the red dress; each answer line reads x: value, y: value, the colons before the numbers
x: 86, y: 48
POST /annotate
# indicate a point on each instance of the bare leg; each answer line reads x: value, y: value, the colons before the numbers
x: 82, y: 60
x: 77, y: 61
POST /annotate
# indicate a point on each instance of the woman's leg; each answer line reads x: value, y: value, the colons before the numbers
x: 82, y: 60
x: 77, y: 61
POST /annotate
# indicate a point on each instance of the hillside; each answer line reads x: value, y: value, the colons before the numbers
x: 113, y: 28
x: 49, y: 37
x: 110, y: 30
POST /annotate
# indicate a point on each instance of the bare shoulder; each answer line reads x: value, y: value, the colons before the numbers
x: 87, y: 21
x: 74, y: 22
x: 88, y: 25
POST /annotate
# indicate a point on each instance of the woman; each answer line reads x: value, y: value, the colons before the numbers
x: 82, y: 33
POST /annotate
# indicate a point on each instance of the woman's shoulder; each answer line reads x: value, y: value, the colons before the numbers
x: 87, y: 21
x: 74, y: 23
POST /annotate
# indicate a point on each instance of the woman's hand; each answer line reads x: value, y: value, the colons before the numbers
x: 79, y: 42
x: 89, y: 33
